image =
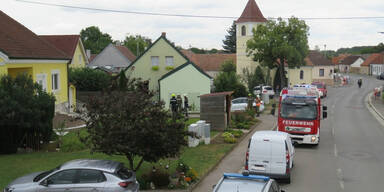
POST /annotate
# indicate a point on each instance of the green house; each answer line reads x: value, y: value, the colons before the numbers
x: 170, y: 71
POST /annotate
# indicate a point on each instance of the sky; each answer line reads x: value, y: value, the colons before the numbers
x: 204, y: 33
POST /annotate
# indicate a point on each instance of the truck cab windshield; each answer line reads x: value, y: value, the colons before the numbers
x: 298, y: 112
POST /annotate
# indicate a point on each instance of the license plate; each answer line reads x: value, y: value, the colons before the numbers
x: 258, y: 167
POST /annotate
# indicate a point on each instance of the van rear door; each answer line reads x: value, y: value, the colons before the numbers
x: 259, y: 155
x: 278, y: 157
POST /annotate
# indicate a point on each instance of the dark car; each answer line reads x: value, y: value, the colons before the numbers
x: 79, y: 175
x: 381, y: 76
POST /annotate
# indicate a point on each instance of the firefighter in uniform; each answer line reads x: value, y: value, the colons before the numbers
x: 173, y: 106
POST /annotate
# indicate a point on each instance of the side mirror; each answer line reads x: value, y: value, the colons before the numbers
x: 44, y: 183
x: 325, y: 108
x: 325, y: 114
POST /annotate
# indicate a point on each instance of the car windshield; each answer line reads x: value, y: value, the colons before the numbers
x: 319, y: 86
x: 43, y: 174
x: 299, y: 112
x: 124, y: 173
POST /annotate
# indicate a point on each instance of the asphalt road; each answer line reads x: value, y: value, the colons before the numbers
x: 350, y: 156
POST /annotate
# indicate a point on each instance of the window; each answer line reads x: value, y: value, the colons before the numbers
x: 63, y: 177
x: 243, y: 31
x: 321, y: 72
x: 55, y: 80
x: 169, y: 60
x: 41, y: 79
x: 91, y: 176
x: 155, y: 60
x: 301, y: 74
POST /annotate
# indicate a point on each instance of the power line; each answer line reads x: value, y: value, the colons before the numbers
x: 186, y: 15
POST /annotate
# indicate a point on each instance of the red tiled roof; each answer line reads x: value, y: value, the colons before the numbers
x: 338, y: 59
x: 126, y: 52
x: 251, y: 13
x: 375, y: 58
x: 66, y: 43
x: 315, y: 58
x: 209, y: 62
x: 16, y: 41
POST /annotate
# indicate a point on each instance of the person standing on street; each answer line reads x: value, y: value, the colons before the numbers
x: 258, y: 104
x: 186, y: 105
x: 179, y: 104
x: 359, y: 82
x: 173, y: 106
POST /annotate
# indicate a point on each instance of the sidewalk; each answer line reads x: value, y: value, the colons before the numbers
x: 234, y: 161
x: 378, y: 104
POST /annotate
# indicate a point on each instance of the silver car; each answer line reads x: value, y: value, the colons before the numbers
x: 231, y: 182
x: 79, y: 175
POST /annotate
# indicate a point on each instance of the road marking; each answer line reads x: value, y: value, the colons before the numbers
x: 335, y: 151
x: 340, y: 177
x: 341, y: 185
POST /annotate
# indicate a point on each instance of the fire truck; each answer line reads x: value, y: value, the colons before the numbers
x: 300, y: 112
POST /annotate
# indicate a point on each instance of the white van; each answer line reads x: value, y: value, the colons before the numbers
x: 270, y: 153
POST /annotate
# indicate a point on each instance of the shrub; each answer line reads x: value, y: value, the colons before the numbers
x: 72, y: 141
x: 236, y: 133
x: 182, y: 167
x: 191, y: 173
x: 87, y: 79
x: 230, y: 140
x: 159, y: 178
x: 26, y: 113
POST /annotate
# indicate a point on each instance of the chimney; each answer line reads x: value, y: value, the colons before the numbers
x: 88, y: 53
x: 163, y: 34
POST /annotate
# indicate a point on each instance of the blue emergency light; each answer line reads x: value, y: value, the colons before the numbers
x: 237, y: 175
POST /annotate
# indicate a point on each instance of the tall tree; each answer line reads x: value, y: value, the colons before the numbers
x: 279, y: 43
x: 124, y: 120
x: 253, y: 78
x: 94, y: 40
x: 230, y: 39
x: 137, y: 43
x: 228, y: 80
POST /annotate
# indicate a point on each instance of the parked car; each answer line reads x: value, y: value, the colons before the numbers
x: 79, y: 175
x: 270, y: 153
x: 241, y: 104
x: 269, y: 91
x: 381, y: 76
x: 244, y: 182
x: 257, y: 90
x: 322, y: 87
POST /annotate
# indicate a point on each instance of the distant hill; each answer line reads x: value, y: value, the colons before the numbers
x: 362, y: 49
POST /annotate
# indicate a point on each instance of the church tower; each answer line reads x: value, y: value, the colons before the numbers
x: 249, y: 20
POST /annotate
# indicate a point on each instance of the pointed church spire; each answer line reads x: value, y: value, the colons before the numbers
x: 251, y: 13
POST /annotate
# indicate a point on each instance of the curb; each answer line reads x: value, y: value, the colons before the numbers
x: 373, y: 107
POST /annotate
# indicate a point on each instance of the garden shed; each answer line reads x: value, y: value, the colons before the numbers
x: 215, y: 108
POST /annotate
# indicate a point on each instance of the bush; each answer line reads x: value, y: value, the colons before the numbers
x: 86, y: 79
x: 229, y: 137
x: 236, y: 133
x: 72, y: 141
x: 26, y: 114
x: 159, y: 178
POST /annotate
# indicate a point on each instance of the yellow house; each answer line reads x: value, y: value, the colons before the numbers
x: 317, y: 69
x: 22, y: 51
x: 72, y: 46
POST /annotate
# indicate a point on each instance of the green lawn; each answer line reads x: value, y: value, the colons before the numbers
x: 200, y: 158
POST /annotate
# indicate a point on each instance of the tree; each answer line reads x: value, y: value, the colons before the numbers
x: 137, y: 44
x: 87, y: 79
x: 26, y: 114
x: 280, y: 43
x: 254, y: 78
x: 126, y: 121
x: 94, y: 40
x: 228, y: 80
x: 230, y: 39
